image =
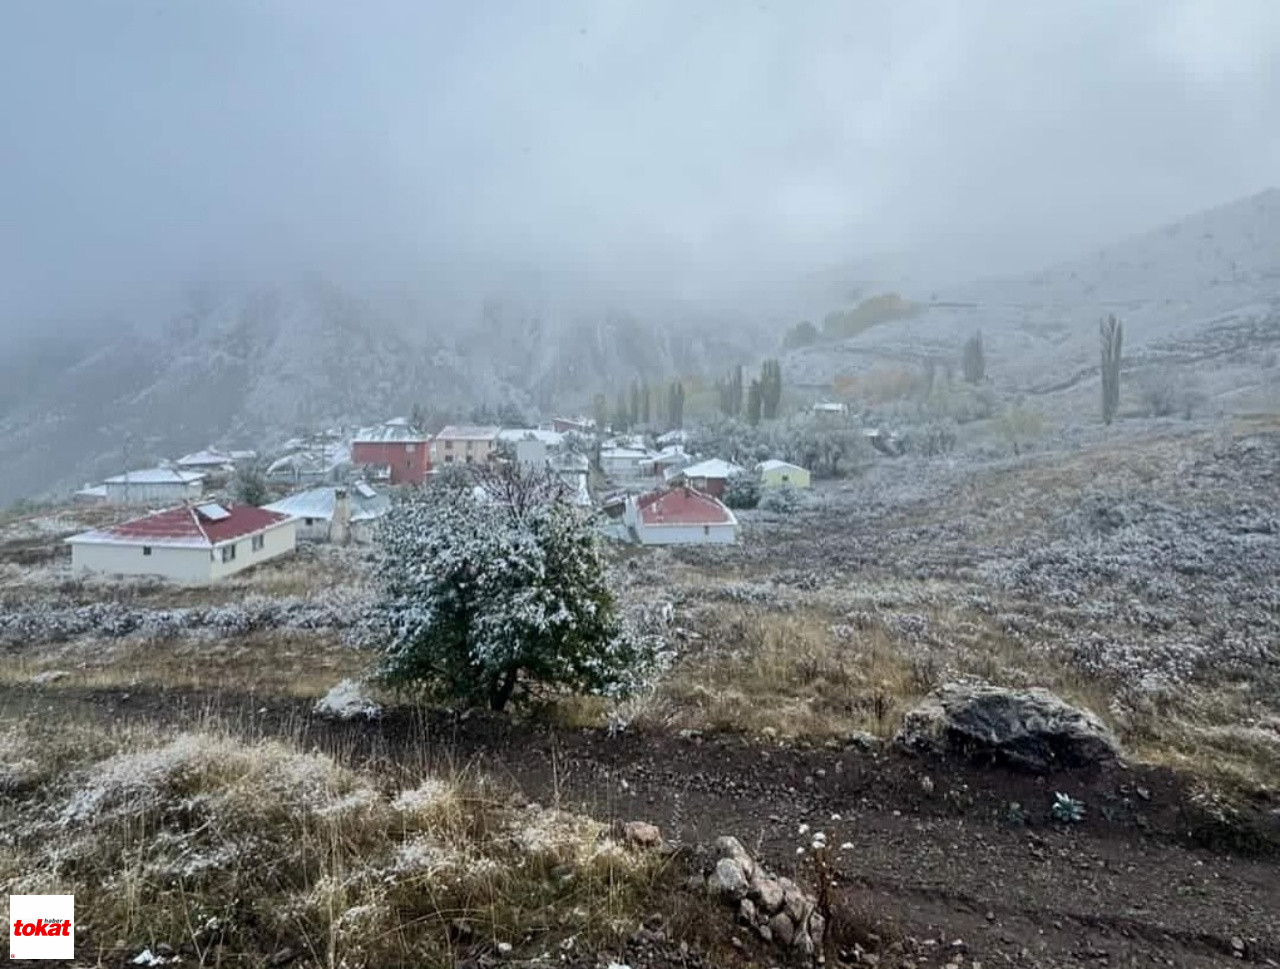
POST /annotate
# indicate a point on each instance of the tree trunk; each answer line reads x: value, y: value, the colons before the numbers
x: 500, y: 691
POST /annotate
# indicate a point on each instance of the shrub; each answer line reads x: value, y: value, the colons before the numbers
x: 487, y: 590
x: 780, y: 501
x: 742, y: 491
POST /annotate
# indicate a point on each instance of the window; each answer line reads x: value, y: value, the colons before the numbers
x: 409, y: 446
x: 470, y: 459
x: 470, y: 445
x: 309, y: 521
x: 786, y: 478
x: 448, y: 445
x: 228, y: 553
x: 448, y: 459
x: 146, y: 550
x: 706, y: 529
x: 258, y: 542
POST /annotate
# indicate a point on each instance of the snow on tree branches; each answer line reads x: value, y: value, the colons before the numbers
x: 493, y: 584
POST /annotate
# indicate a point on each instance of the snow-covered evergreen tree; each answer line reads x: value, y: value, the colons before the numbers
x: 494, y: 585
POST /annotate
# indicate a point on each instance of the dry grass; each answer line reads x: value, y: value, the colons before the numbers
x: 272, y: 662
x: 231, y: 852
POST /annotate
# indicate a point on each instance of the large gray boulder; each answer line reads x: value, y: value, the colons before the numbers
x: 1033, y: 729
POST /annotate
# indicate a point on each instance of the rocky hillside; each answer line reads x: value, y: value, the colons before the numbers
x: 1206, y: 287
x: 246, y: 367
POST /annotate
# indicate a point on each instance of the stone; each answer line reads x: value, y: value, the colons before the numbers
x: 795, y: 904
x: 282, y: 956
x: 348, y: 701
x: 728, y: 879
x: 767, y: 893
x: 783, y: 928
x: 730, y: 847
x: 817, y: 928
x: 747, y: 912
x: 642, y: 834
x: 696, y: 883
x: 1032, y: 729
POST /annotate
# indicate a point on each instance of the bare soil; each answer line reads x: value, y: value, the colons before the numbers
x: 934, y: 867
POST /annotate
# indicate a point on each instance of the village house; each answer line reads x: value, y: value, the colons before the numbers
x: 334, y: 513
x: 782, y: 474
x: 154, y: 486
x: 672, y: 456
x: 318, y: 460
x: 710, y: 477
x: 573, y: 425
x: 830, y: 409
x: 396, y: 446
x: 680, y: 516
x: 623, y: 461
x: 574, y: 470
x: 190, y: 543
x: 462, y: 444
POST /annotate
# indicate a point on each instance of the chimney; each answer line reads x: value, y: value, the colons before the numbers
x: 340, y: 525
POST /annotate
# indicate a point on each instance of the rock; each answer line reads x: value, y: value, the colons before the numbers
x: 783, y: 928
x: 728, y: 879
x: 765, y: 932
x: 347, y: 701
x: 282, y: 956
x: 49, y: 676
x: 696, y: 883
x: 747, y: 912
x: 817, y: 928
x: 1033, y: 729
x: 164, y: 949
x: 729, y: 847
x: 795, y: 903
x: 642, y: 834
x: 767, y: 893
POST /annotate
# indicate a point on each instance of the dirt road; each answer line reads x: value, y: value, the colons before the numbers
x: 932, y: 852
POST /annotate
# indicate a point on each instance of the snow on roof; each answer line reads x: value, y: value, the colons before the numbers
x: 93, y: 491
x: 213, y: 512
x: 624, y: 452
x: 208, y: 458
x: 714, y: 468
x: 678, y: 436
x: 397, y: 430
x: 682, y: 506
x: 184, y: 527
x: 468, y: 432
x: 569, y: 462
x: 549, y: 438
x: 774, y: 464
x: 320, y: 502
x: 156, y: 476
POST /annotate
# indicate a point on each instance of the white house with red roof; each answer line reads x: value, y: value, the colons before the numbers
x: 192, y: 543
x: 680, y: 516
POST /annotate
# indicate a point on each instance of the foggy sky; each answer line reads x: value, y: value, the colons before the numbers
x: 652, y: 145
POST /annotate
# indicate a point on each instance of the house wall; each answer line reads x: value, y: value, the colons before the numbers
x: 409, y: 461
x: 779, y: 477
x: 159, y: 493
x: 446, y: 450
x: 278, y: 540
x: 170, y: 562
x: 721, y: 534
x: 709, y: 486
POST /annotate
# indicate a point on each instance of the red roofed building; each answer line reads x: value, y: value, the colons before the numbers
x: 397, y: 446
x: 680, y: 516
x: 191, y: 543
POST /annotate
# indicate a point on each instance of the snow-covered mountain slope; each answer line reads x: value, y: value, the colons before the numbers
x: 247, y: 367
x: 1213, y: 272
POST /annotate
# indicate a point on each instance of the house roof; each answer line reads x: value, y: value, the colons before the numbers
x: 398, y: 430
x: 682, y: 506
x: 549, y: 438
x: 208, y: 458
x: 714, y: 468
x: 203, y: 526
x: 468, y: 432
x: 320, y: 502
x: 624, y: 452
x: 156, y: 476
x: 773, y: 464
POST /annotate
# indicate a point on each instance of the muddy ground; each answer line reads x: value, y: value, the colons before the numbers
x: 934, y: 866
